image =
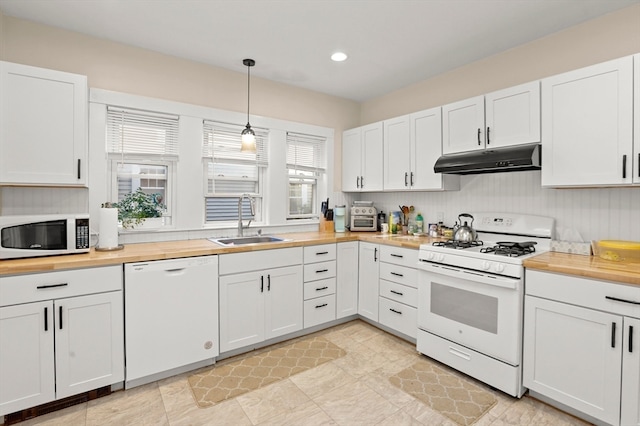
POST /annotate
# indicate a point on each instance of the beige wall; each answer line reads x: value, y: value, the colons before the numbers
x: 118, y: 67
x: 608, y: 37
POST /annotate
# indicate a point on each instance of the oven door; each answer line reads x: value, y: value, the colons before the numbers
x: 477, y: 310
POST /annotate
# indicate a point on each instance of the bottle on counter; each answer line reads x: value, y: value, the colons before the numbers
x: 419, y: 223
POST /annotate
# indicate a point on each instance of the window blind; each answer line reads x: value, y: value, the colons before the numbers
x: 132, y: 131
x: 306, y: 152
x: 222, y: 143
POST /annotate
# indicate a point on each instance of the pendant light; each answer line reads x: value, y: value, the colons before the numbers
x: 248, y: 135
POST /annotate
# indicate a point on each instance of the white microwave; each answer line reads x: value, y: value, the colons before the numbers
x: 43, y: 235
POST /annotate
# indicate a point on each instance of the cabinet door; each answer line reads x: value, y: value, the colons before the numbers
x: 89, y: 342
x: 241, y: 310
x: 351, y: 160
x: 43, y: 126
x: 397, y: 153
x: 513, y: 116
x: 283, y: 301
x: 587, y: 125
x: 573, y: 355
x: 630, y: 406
x: 636, y: 118
x: 368, y: 277
x: 372, y: 158
x: 347, y: 279
x: 27, y: 376
x: 463, y: 126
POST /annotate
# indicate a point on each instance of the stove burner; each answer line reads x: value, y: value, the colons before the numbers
x: 511, y: 249
x: 458, y: 244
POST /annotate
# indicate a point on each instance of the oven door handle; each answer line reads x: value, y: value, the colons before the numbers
x: 493, y: 280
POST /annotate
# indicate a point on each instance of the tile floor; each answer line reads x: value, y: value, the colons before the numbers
x: 352, y: 390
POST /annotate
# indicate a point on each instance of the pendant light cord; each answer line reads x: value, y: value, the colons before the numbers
x: 248, y: 90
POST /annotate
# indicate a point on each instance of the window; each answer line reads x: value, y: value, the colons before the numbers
x: 143, y: 148
x: 305, y: 167
x: 229, y: 173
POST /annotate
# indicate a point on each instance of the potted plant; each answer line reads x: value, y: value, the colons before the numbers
x: 137, y: 206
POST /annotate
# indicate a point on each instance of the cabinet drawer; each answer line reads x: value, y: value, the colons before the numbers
x: 399, y: 274
x: 234, y: 263
x: 319, y: 288
x: 319, y: 310
x: 55, y: 285
x: 319, y: 271
x: 398, y: 316
x: 399, y: 293
x: 319, y: 253
x: 605, y: 296
x: 399, y: 256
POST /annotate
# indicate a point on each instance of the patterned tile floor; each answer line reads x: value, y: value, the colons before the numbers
x: 352, y: 390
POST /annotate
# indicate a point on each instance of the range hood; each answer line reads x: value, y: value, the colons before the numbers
x: 509, y: 159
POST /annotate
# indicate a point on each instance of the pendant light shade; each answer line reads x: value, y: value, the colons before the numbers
x: 248, y: 135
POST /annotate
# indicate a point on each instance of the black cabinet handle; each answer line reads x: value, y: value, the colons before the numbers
x: 638, y: 165
x: 261, y: 283
x: 320, y: 271
x: 375, y: 254
x: 322, y: 288
x: 617, y: 299
x: 630, y: 339
x: 613, y: 334
x: 319, y: 253
x: 397, y: 255
x: 79, y: 168
x: 361, y: 181
x: 479, y: 131
x: 624, y: 166
x: 411, y: 179
x: 321, y: 306
x: 406, y: 179
x: 394, y: 311
x: 42, y: 287
x: 488, y: 135
x: 397, y: 274
x: 268, y: 282
x: 60, y: 315
x: 396, y: 292
x: 46, y: 319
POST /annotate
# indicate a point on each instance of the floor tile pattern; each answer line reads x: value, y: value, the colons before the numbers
x: 352, y: 390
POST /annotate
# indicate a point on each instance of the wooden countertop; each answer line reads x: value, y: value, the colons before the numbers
x: 586, y: 266
x: 142, y: 252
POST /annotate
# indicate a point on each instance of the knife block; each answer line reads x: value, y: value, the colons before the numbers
x: 326, y: 225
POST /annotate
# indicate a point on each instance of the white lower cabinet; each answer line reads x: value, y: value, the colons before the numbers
x: 319, y: 284
x: 398, y: 297
x: 262, y: 304
x: 55, y: 339
x: 581, y: 348
x: 347, y: 279
x: 369, y: 255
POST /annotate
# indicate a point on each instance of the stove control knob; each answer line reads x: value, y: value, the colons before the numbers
x: 499, y: 267
x: 440, y: 257
x: 486, y: 265
x: 429, y: 256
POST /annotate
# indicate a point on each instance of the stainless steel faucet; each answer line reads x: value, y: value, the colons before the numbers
x: 252, y: 203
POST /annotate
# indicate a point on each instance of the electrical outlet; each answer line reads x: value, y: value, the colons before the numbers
x: 440, y: 217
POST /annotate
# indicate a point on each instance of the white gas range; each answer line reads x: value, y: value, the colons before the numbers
x: 471, y: 297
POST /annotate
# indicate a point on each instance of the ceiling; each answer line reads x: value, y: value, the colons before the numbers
x: 391, y: 43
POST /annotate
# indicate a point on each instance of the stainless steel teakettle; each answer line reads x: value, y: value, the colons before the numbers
x: 465, y: 233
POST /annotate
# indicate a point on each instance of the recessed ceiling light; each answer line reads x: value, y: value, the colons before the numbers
x: 339, y: 56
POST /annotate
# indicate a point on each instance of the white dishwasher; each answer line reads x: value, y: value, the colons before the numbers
x: 171, y: 317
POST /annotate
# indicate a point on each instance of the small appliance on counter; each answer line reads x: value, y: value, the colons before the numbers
x: 43, y: 235
x: 339, y: 213
x: 364, y: 217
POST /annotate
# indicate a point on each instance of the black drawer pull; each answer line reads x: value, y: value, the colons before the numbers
x: 321, y: 288
x: 622, y: 300
x: 321, y: 306
x: 395, y: 312
x: 41, y: 287
x: 397, y: 255
x: 320, y: 271
x: 60, y: 315
x: 630, y: 339
x: 321, y: 252
x: 46, y: 319
x: 396, y: 292
x: 397, y: 274
x: 261, y: 283
x: 613, y: 334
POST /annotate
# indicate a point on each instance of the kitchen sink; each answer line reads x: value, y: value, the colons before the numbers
x: 241, y: 241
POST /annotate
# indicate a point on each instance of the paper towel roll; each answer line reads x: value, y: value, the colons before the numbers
x: 108, y: 234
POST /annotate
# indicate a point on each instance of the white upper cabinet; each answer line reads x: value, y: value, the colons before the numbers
x: 43, y: 126
x: 636, y: 118
x: 506, y: 117
x: 587, y: 126
x: 398, y: 173
x: 362, y: 159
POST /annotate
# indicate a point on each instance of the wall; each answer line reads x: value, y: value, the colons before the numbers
x: 597, y: 213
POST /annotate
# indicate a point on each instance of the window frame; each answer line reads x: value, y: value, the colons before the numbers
x: 318, y: 169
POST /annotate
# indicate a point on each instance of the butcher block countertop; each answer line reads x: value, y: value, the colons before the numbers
x: 143, y: 252
x: 586, y: 266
